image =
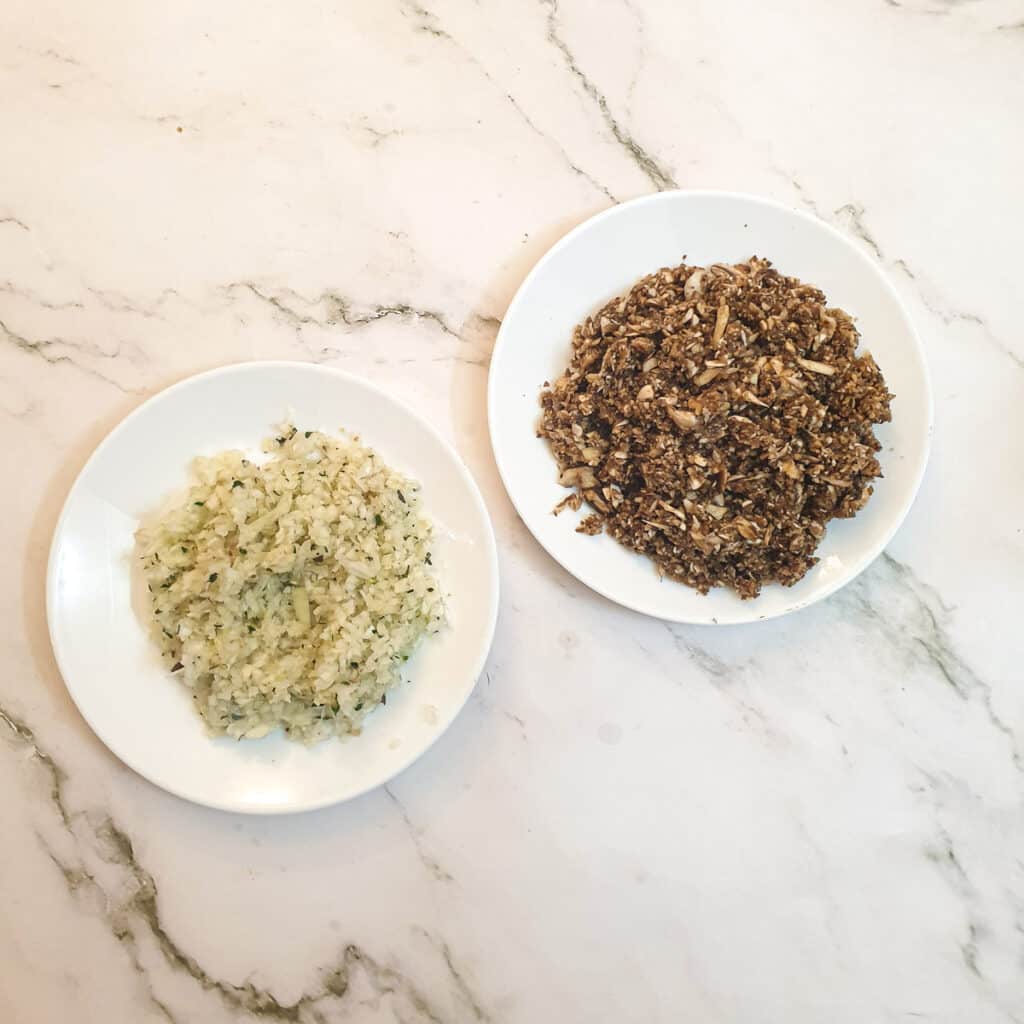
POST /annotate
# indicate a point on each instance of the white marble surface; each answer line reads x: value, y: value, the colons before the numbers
x: 815, y: 819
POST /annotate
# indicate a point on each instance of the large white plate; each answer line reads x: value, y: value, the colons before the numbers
x: 602, y: 258
x: 110, y: 665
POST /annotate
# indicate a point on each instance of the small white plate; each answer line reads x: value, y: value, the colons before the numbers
x: 110, y: 665
x: 603, y: 258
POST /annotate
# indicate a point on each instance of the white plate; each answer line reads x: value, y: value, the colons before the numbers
x: 110, y: 665
x: 602, y: 258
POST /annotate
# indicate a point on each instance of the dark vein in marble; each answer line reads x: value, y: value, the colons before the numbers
x: 923, y: 636
x: 115, y: 302
x: 377, y: 136
x: 74, y: 878
x: 658, y: 175
x: 853, y: 213
x: 56, y: 775
x: 430, y: 863
x: 249, y: 998
x: 43, y: 347
x: 945, y: 857
x: 459, y: 978
x: 575, y: 168
x: 428, y: 22
x: 853, y: 218
x: 928, y: 11
x: 134, y: 915
x: 118, y: 303
x: 17, y: 223
x: 340, y: 309
x: 517, y: 721
x: 298, y: 312
x: 78, y: 881
x: 727, y: 680
x: 10, y: 288
x: 957, y: 316
x: 943, y: 853
x: 635, y: 75
x: 60, y: 58
x: 467, y: 993
x: 707, y: 662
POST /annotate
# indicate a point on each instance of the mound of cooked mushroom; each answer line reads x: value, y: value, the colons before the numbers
x: 715, y: 419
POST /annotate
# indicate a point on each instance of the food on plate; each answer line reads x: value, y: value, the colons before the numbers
x: 715, y: 419
x: 288, y: 591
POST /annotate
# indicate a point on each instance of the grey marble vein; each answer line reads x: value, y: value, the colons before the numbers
x: 852, y: 217
x: 635, y: 74
x: 712, y: 666
x: 912, y: 9
x: 957, y: 316
x: 21, y: 733
x: 658, y: 175
x: 458, y: 976
x: 802, y: 192
x: 923, y: 636
x: 431, y: 863
x: 944, y: 856
x: 10, y: 288
x: 339, y: 309
x: 428, y: 22
x: 944, y: 853
x: 43, y: 348
x: 132, y: 913
x: 853, y: 214
x: 516, y: 720
x: 55, y: 55
x: 16, y: 222
x: 728, y: 680
x: 118, y: 303
x: 330, y: 309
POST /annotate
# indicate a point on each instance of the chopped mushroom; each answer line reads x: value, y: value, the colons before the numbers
x: 682, y: 418
x: 816, y: 367
x: 761, y: 432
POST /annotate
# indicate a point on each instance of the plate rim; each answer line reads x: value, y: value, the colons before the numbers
x: 124, y: 424
x: 672, y: 195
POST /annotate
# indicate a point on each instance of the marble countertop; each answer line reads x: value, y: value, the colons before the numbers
x: 813, y: 819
